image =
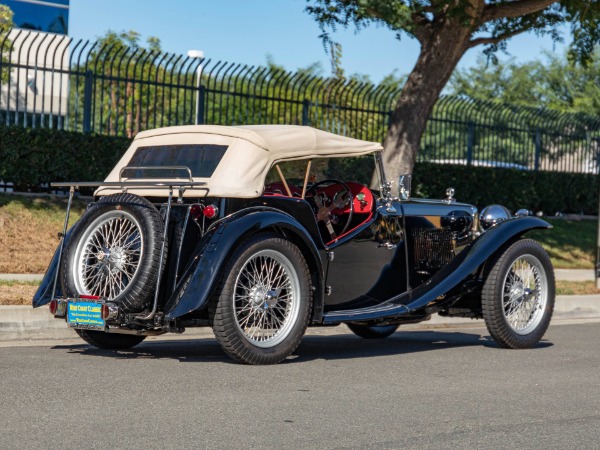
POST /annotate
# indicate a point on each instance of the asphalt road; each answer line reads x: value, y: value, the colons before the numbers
x: 418, y: 389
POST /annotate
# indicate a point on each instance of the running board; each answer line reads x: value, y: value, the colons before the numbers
x: 384, y: 310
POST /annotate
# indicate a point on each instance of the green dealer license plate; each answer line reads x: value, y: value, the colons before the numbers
x: 85, y: 315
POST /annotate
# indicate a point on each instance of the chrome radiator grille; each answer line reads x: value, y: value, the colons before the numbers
x: 432, y: 248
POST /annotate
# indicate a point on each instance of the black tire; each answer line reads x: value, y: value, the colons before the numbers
x: 517, y: 299
x: 372, y: 331
x: 108, y: 341
x: 279, y: 294
x: 124, y: 267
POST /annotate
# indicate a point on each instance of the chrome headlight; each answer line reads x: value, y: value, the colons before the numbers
x: 492, y: 215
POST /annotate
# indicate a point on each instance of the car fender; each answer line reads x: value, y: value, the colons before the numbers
x: 43, y: 295
x: 471, y: 258
x: 193, y: 292
x: 433, y: 292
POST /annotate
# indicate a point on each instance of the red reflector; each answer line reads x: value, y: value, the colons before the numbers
x: 90, y: 297
x: 210, y: 211
x: 105, y: 312
x: 53, y: 306
x: 196, y: 211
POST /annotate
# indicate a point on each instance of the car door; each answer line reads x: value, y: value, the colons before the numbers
x: 371, y: 263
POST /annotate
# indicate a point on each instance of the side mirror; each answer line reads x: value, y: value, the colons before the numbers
x: 404, y: 182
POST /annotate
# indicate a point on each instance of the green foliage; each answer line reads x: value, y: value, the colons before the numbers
x: 555, y: 82
x: 6, y: 23
x: 492, y: 23
x: 122, y: 106
x: 549, y: 192
x: 32, y: 156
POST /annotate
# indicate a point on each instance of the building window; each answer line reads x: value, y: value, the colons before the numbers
x: 42, y: 15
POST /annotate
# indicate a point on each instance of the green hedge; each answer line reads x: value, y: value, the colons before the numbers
x: 32, y: 156
x: 549, y: 192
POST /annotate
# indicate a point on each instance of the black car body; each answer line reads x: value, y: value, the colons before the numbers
x: 200, y: 226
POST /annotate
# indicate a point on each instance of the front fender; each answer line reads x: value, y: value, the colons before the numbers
x: 215, y: 251
x: 433, y: 292
x: 471, y: 258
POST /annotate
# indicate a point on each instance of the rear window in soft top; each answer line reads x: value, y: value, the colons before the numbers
x: 202, y: 160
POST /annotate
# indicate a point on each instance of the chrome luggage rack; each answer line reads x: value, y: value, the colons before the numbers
x: 124, y: 184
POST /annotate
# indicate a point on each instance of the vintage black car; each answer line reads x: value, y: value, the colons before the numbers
x: 245, y: 229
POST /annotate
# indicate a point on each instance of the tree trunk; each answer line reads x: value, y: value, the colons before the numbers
x: 437, y: 60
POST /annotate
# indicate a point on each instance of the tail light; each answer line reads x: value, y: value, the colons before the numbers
x: 210, y: 211
x: 89, y: 297
x: 196, y: 211
x: 110, y: 311
x: 58, y: 307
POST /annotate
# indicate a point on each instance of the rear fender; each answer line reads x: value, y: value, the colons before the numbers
x: 193, y: 291
x: 43, y: 295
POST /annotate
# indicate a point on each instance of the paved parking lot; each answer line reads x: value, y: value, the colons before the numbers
x: 447, y: 388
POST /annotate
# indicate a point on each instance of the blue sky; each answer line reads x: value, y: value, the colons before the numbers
x: 247, y: 31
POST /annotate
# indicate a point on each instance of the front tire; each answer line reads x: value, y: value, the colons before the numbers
x: 518, y: 295
x: 107, y: 341
x: 372, y: 331
x: 264, y: 301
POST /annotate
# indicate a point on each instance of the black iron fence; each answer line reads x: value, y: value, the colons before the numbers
x: 109, y: 88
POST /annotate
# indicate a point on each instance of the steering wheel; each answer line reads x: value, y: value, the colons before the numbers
x: 332, y: 203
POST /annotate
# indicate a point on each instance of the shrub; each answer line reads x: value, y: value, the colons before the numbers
x: 30, y: 157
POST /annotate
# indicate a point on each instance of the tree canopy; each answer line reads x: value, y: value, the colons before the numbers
x: 446, y: 29
x: 6, y: 23
x: 555, y: 82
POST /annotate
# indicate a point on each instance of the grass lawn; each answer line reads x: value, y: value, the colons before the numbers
x: 571, y: 244
x: 17, y: 292
x: 29, y: 228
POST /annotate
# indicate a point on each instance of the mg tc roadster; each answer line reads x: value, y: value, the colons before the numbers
x: 248, y: 230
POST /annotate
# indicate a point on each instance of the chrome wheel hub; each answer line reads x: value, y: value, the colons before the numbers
x: 266, y: 298
x: 108, y: 255
x: 525, y: 294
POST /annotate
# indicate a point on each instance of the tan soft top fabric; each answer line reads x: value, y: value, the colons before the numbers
x: 252, y: 151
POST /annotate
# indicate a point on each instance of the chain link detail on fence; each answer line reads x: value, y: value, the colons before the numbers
x: 58, y: 82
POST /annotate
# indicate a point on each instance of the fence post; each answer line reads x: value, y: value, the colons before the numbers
x: 306, y: 112
x: 470, y: 142
x: 538, y: 149
x: 200, y: 105
x: 87, y: 101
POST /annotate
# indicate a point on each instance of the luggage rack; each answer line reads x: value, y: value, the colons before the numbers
x: 125, y: 183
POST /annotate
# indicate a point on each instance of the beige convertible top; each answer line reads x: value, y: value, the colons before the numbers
x: 252, y: 151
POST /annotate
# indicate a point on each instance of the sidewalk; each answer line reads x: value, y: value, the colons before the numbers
x: 561, y: 274
x: 23, y: 325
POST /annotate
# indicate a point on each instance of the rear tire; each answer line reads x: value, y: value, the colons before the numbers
x: 372, y: 331
x: 108, y: 341
x: 264, y: 301
x: 517, y: 300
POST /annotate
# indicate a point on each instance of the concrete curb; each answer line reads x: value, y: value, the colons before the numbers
x: 23, y: 324
x: 561, y: 274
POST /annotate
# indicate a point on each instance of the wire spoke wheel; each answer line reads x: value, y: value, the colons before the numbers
x: 525, y: 294
x: 264, y: 301
x: 114, y: 252
x: 266, y: 298
x: 108, y: 255
x: 517, y: 299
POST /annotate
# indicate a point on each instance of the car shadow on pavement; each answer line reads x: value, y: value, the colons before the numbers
x: 348, y: 346
x: 312, y: 347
